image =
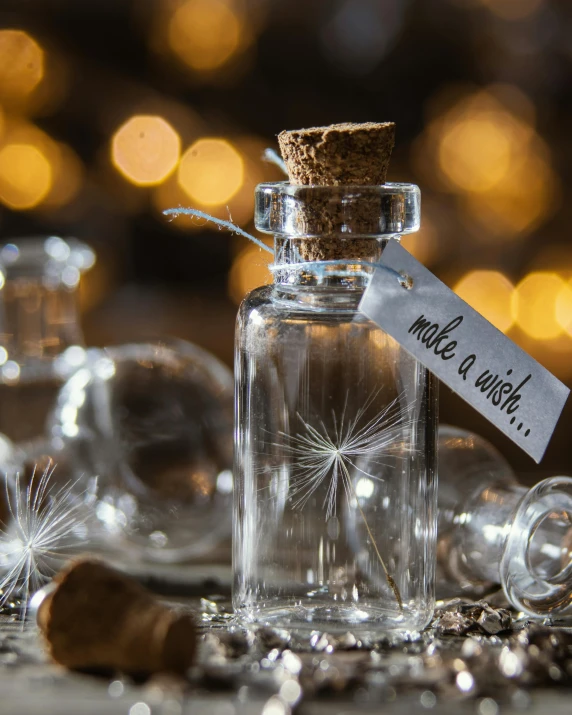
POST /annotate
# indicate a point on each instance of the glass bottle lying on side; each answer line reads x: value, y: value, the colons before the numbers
x: 146, y: 431
x: 335, y: 503
x: 492, y: 530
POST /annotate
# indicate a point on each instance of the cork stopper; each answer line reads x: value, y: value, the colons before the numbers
x: 99, y: 619
x: 338, y: 155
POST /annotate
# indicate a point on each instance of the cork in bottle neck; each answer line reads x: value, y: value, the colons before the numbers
x: 341, y: 155
x: 311, y: 249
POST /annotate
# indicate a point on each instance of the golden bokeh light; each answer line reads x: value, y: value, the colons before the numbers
x: 66, y: 169
x: 21, y: 131
x: 21, y: 64
x: 169, y: 195
x: 475, y: 153
x: 145, y: 150
x: 564, y: 307
x: 249, y: 270
x: 239, y: 208
x: 525, y: 197
x: 205, y: 34
x: 533, y: 305
x: 479, y: 143
x: 484, y: 149
x: 211, y: 172
x: 25, y: 176
x: 490, y: 293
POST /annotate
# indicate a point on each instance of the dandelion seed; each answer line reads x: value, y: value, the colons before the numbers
x: 321, y: 456
x: 318, y: 454
x: 46, y: 524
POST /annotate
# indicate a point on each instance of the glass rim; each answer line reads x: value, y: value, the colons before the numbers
x: 390, y: 187
x: 346, y: 211
x: 525, y: 588
x: 36, y: 254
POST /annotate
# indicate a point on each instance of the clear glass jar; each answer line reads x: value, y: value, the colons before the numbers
x: 335, y: 474
x: 40, y: 334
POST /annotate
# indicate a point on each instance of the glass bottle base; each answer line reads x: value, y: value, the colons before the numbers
x: 336, y: 619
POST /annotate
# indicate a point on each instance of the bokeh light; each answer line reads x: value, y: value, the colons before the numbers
x: 524, y: 199
x: 170, y: 195
x: 249, y: 270
x: 475, y: 152
x: 21, y: 64
x: 211, y: 172
x: 205, y: 34
x: 484, y: 148
x: 25, y: 179
x: 490, y: 293
x: 564, y: 307
x: 533, y: 304
x: 145, y: 149
x: 25, y: 176
x: 239, y: 208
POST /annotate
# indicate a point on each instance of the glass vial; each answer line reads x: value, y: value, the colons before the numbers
x: 40, y: 334
x: 493, y: 530
x: 146, y: 428
x: 335, y: 501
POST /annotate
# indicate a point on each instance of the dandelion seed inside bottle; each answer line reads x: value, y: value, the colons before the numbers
x: 335, y: 491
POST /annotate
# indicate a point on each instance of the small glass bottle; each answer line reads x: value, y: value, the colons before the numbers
x: 40, y: 334
x: 492, y: 530
x: 146, y: 430
x: 335, y: 484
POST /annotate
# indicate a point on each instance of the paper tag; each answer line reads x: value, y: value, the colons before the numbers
x: 465, y: 351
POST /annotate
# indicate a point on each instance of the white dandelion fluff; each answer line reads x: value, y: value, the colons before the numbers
x: 320, y: 456
x: 46, y: 524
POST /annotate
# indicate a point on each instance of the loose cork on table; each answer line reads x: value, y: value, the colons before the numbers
x: 100, y: 619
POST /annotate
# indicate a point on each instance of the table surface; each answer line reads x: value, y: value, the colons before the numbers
x: 456, y: 667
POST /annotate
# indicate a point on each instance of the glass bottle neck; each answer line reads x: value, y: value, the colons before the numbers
x: 485, y: 520
x: 39, y: 320
x: 331, y: 262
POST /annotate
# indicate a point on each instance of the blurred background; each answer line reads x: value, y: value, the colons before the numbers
x: 113, y: 110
